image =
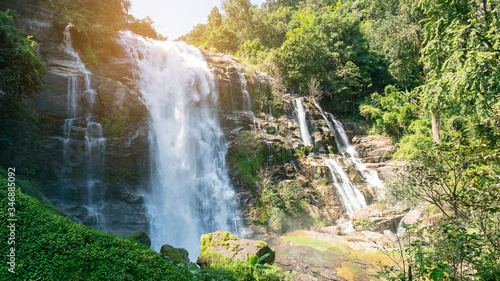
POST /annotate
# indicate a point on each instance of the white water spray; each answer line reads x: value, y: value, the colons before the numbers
x: 301, y: 116
x: 344, y: 145
x: 349, y: 195
x: 189, y: 193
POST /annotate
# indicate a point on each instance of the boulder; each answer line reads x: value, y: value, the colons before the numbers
x: 222, y: 247
x: 175, y: 255
x: 377, y: 218
x: 141, y: 237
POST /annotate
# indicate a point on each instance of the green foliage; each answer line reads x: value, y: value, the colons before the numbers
x: 460, y: 180
x: 113, y: 125
x: 302, y: 152
x: 97, y: 24
x: 460, y: 51
x: 391, y: 113
x: 90, y: 57
x: 21, y: 78
x: 32, y: 189
x: 248, y: 154
x: 363, y: 224
x: 141, y: 237
x: 281, y: 203
x: 21, y: 69
x: 256, y: 262
x: 58, y: 249
x: 244, y: 270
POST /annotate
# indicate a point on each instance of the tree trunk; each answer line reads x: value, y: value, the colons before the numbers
x: 436, y: 127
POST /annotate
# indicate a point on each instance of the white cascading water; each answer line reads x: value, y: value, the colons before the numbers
x: 247, y: 100
x: 328, y: 123
x: 189, y: 193
x: 301, y: 116
x: 344, y: 145
x: 349, y: 195
x: 81, y: 119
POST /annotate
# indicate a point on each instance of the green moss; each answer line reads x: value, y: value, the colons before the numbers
x: 113, y: 125
x: 322, y: 181
x: 357, y: 179
x: 249, y: 166
x: 260, y: 244
x: 206, y: 241
x: 248, y: 154
x: 90, y: 59
x: 363, y: 224
x: 234, y: 248
x: 208, y: 257
x: 224, y: 236
x: 176, y: 256
x: 141, y: 237
x: 311, y: 242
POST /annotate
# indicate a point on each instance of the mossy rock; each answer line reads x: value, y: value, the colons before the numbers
x: 175, y: 255
x: 220, y: 244
x: 141, y: 237
x: 210, y: 257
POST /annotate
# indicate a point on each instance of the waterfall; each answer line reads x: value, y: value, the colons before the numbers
x: 301, y: 116
x: 349, y: 195
x: 89, y: 159
x: 189, y: 193
x: 344, y: 145
x: 247, y: 101
x: 328, y: 123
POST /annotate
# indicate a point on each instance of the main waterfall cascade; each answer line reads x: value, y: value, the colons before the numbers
x: 301, y: 116
x: 82, y: 129
x: 189, y: 192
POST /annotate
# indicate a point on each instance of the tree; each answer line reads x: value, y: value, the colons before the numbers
x: 461, y: 180
x: 21, y: 69
x: 21, y: 78
x: 461, y: 58
x: 330, y: 47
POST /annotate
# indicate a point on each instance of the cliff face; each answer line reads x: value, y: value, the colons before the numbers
x: 123, y: 116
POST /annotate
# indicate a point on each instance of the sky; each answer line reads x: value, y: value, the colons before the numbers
x: 174, y: 18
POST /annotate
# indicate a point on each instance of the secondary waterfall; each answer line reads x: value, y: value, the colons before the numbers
x: 83, y: 142
x: 189, y: 192
x: 344, y: 145
x: 349, y: 195
x: 301, y: 116
x: 247, y: 100
x: 328, y: 123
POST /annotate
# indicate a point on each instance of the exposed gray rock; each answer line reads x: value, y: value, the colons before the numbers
x: 378, y: 218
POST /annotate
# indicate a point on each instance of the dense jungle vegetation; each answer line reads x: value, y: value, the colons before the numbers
x: 426, y: 73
